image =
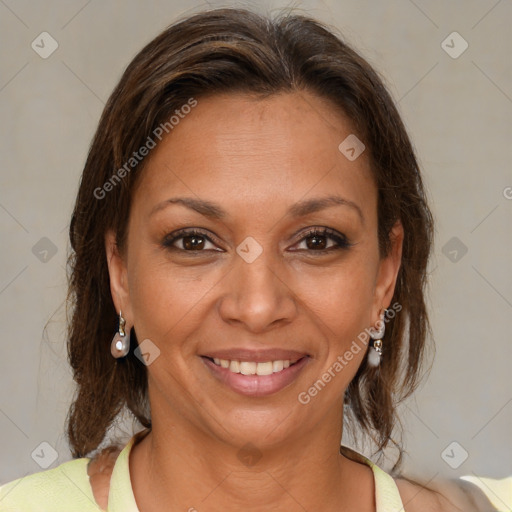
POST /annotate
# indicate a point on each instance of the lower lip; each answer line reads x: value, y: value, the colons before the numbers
x: 257, y: 385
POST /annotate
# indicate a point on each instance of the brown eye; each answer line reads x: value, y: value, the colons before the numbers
x: 317, y: 240
x: 191, y: 240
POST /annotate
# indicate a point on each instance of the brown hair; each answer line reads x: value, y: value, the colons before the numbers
x: 236, y: 50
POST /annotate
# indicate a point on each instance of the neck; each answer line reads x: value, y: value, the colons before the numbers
x: 181, y: 468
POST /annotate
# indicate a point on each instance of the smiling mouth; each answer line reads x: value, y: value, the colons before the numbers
x: 256, y: 378
x: 253, y: 367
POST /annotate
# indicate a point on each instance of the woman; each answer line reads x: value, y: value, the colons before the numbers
x: 252, y: 221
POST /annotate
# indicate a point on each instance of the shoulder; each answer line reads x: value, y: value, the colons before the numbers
x: 100, y: 471
x: 497, y: 490
x: 416, y: 498
x: 63, y: 488
x: 442, y: 496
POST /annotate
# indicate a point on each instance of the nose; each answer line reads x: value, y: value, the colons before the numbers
x: 257, y: 295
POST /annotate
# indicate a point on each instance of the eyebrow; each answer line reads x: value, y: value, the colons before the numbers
x: 301, y: 209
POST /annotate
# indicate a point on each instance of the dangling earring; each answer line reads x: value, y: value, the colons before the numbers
x: 120, y: 345
x: 375, y: 350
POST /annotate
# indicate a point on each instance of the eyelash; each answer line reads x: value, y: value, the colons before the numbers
x: 341, y: 240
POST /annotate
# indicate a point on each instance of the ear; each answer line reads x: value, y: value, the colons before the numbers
x: 118, y: 278
x: 388, y: 270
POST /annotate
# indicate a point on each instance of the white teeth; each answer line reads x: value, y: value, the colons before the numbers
x: 265, y: 368
x: 247, y: 368
x: 252, y: 367
x: 277, y: 366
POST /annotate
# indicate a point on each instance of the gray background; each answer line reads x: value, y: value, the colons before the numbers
x: 458, y: 113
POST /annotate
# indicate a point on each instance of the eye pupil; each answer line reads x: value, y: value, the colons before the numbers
x: 316, y: 245
x: 197, y: 243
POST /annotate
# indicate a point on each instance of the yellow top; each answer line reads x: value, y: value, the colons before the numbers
x: 498, y: 491
x: 66, y: 488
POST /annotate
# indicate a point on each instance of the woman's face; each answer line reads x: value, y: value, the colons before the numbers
x: 252, y: 178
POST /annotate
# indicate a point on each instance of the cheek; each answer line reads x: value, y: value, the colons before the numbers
x: 340, y: 295
x: 168, y: 301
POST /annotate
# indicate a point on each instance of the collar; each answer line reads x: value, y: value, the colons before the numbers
x: 122, y: 499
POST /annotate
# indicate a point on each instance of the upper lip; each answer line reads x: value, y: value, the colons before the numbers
x: 257, y: 356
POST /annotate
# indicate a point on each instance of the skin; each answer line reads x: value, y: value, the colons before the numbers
x: 255, y: 159
x: 441, y: 496
x: 99, y: 470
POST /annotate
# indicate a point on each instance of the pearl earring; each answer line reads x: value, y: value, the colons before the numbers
x: 120, y: 345
x: 375, y: 350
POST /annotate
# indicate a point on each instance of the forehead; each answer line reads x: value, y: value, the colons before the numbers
x: 248, y: 151
x: 278, y: 122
